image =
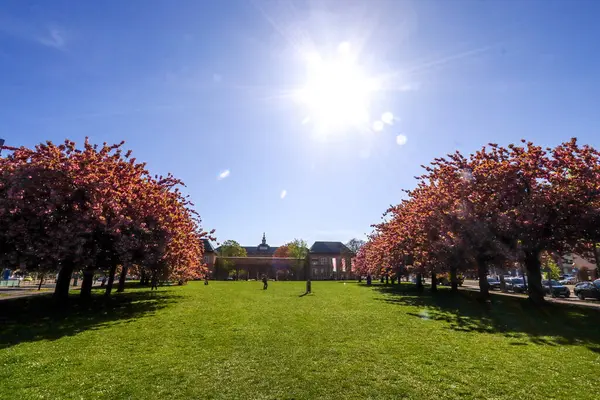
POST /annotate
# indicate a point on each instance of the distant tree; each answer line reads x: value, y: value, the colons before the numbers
x: 231, y: 248
x: 282, y: 251
x: 298, y: 249
x: 550, y: 266
x: 354, y: 245
x: 349, y: 254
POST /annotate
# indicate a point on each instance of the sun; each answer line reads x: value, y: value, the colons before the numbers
x: 337, y: 93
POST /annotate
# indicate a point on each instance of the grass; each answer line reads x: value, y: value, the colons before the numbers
x: 232, y: 340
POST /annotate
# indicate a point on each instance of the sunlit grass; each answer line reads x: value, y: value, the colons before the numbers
x: 232, y: 340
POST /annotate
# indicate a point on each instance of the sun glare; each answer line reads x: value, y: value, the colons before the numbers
x: 337, y: 93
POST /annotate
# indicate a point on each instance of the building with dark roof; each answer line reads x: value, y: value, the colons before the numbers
x: 260, y: 260
x: 262, y: 250
x: 330, y: 260
x: 210, y: 255
x: 329, y: 248
x: 327, y: 260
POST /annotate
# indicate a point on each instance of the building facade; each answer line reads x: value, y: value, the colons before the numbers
x: 260, y: 261
x: 210, y: 256
x: 583, y: 269
x: 330, y: 260
x: 325, y: 260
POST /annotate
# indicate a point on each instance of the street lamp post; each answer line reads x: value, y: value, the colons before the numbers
x: 308, y: 274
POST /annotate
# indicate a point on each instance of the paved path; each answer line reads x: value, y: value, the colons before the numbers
x: 31, y: 290
x: 19, y: 292
x: 474, y: 286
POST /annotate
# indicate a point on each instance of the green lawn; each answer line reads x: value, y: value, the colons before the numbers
x: 232, y: 340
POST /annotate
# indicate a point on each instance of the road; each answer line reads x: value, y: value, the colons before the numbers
x: 474, y: 286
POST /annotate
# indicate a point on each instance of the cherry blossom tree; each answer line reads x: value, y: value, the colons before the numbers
x: 63, y: 208
x: 496, y: 206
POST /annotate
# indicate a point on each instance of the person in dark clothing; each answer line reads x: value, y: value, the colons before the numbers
x: 205, y: 280
x: 265, y: 282
x: 369, y: 280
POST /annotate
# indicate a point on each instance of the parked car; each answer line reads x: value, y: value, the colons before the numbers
x: 567, y: 280
x: 517, y: 285
x: 588, y: 290
x: 493, y: 283
x: 557, y: 289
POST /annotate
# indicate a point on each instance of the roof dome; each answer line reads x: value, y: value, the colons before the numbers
x: 263, y: 246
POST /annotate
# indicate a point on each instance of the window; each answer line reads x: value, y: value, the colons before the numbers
x: 315, y: 271
x: 206, y: 259
x: 323, y: 261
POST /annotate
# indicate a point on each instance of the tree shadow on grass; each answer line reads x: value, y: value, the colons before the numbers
x: 29, y: 319
x: 552, y: 324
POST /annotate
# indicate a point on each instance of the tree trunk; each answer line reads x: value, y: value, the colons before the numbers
x: 122, y: 278
x: 453, y: 279
x: 86, y: 284
x: 41, y: 281
x: 420, y: 282
x: 143, y: 277
x: 154, y: 284
x: 433, y: 282
x: 63, y: 282
x: 484, y: 287
x: 534, y: 276
x: 111, y: 279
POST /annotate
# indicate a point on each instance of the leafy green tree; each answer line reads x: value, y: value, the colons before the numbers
x: 298, y: 249
x: 231, y: 248
x: 550, y: 266
x: 354, y: 245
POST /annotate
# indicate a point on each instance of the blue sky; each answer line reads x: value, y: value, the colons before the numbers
x: 197, y: 88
